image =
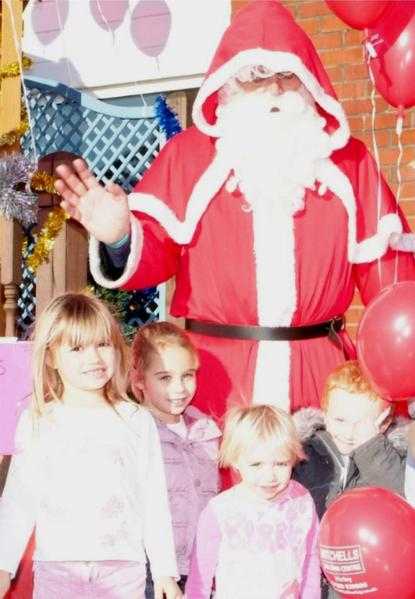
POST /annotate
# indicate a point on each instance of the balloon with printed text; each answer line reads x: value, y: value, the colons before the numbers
x: 358, y: 14
x: 386, y: 341
x: 367, y: 545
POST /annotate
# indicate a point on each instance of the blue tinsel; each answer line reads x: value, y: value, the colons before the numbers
x: 167, y: 118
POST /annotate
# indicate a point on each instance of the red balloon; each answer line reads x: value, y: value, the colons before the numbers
x: 367, y: 545
x: 393, y: 40
x: 386, y: 341
x: 359, y: 14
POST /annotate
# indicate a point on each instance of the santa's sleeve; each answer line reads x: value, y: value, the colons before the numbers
x: 377, y: 217
x: 153, y: 255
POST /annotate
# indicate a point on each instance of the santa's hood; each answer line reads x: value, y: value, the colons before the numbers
x: 265, y: 33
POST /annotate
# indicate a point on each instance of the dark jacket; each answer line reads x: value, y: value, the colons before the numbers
x: 380, y: 462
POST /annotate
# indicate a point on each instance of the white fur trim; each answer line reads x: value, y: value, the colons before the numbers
x: 205, y: 189
x: 132, y: 262
x: 272, y: 374
x: 376, y: 246
x: 274, y: 248
x: 277, y: 62
x: 307, y: 421
x: 369, y: 249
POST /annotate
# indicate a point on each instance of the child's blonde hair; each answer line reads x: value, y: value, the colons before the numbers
x: 349, y: 377
x: 248, y: 427
x: 75, y: 319
x: 148, y: 341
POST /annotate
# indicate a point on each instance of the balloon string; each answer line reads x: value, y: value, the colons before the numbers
x: 399, y: 128
x: 376, y: 156
x: 18, y: 47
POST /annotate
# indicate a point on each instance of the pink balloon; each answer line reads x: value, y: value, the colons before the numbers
x: 386, y: 342
x: 358, y: 14
x: 150, y: 26
x: 393, y: 39
x: 109, y: 14
x: 48, y: 19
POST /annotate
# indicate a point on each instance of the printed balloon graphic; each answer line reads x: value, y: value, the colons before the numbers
x: 48, y: 19
x: 391, y: 44
x: 109, y: 14
x: 358, y: 14
x: 150, y: 26
x: 367, y: 546
x: 386, y: 341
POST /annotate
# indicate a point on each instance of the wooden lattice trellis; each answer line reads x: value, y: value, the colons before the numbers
x: 118, y: 143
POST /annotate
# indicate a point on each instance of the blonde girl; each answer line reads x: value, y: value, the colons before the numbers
x: 164, y: 378
x: 89, y: 475
x: 258, y: 540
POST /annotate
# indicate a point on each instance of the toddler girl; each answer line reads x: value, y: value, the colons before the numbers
x: 259, y: 538
x: 163, y: 377
x: 89, y: 474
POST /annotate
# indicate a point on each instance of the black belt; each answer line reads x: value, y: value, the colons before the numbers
x: 329, y: 328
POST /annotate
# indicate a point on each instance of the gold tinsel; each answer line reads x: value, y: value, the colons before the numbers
x: 42, y: 181
x: 7, y: 139
x: 13, y: 68
x: 45, y: 240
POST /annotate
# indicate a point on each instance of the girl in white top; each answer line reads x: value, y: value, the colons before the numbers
x: 89, y: 475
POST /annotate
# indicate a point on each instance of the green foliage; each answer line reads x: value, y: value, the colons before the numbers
x: 119, y: 304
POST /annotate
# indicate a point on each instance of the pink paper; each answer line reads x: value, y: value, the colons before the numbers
x: 15, y: 389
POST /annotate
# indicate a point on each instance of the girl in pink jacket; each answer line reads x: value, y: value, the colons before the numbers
x: 163, y: 377
x: 258, y: 540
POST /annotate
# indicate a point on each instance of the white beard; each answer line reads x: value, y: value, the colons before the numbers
x: 273, y: 143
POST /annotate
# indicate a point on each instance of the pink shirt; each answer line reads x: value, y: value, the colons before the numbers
x: 257, y: 549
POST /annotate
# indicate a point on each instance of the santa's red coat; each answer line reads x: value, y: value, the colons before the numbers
x: 234, y: 266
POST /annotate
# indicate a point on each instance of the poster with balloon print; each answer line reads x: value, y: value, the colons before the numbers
x: 108, y: 14
x: 150, y: 26
x: 49, y: 19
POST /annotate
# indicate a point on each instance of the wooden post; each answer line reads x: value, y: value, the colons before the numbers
x: 10, y: 86
x: 67, y: 266
x: 10, y: 232
x: 66, y: 269
x: 11, y: 238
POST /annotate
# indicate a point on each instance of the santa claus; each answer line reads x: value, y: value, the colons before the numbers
x: 265, y: 210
